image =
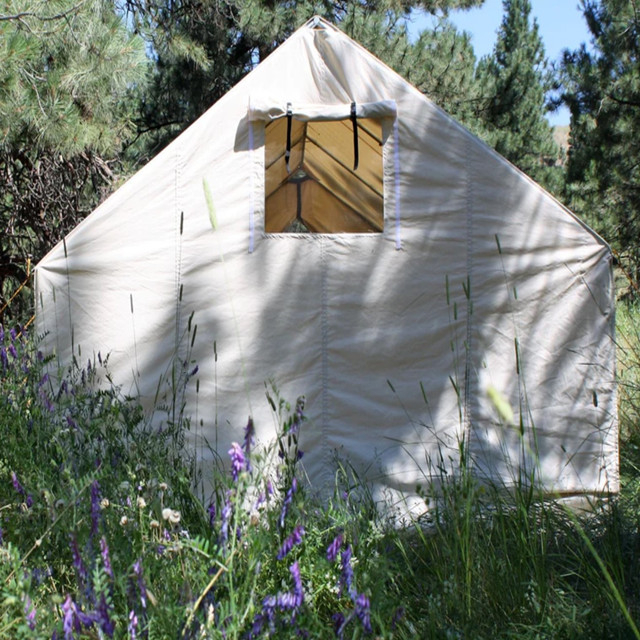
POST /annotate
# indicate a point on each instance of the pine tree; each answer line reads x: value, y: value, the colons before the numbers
x: 514, y: 82
x: 201, y: 48
x: 602, y: 90
x: 66, y: 69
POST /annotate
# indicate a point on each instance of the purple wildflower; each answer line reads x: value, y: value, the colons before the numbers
x: 133, y: 625
x: 30, y: 613
x: 294, y: 539
x: 4, y: 358
x: 249, y: 432
x: 292, y: 600
x: 288, y: 499
x: 225, y: 515
x: 346, y: 579
x: 247, y: 443
x: 297, y: 582
x: 1, y: 333
x: 137, y: 569
x: 13, y: 352
x: 334, y: 548
x: 71, y: 423
x: 106, y: 560
x: 363, y: 611
x: 95, y: 507
x: 16, y: 483
x: 70, y: 619
x: 257, y: 625
x: 29, y: 501
x: 269, y: 605
x: 338, y: 623
x: 397, y: 616
x: 211, y: 510
x: 46, y: 402
x: 238, y: 461
x: 77, y: 562
x: 298, y: 415
x: 102, y: 616
x: 289, y: 601
x: 86, y: 619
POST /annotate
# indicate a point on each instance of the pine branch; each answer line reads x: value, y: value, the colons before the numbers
x: 626, y: 103
x: 32, y: 14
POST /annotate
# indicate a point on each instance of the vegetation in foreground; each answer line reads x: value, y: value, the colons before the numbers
x: 102, y: 536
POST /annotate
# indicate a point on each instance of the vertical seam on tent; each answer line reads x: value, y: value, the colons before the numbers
x: 469, y: 285
x: 178, y: 248
x: 325, y: 356
x: 396, y: 171
x: 251, y: 187
x: 616, y: 420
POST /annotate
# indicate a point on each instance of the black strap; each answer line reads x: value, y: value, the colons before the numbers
x: 287, y: 153
x: 354, y: 122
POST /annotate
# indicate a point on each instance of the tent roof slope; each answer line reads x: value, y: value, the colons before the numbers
x: 474, y: 281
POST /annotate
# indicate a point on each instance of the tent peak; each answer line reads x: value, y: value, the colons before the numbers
x: 318, y: 22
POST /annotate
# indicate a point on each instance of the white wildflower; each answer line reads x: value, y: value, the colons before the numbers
x: 171, y: 515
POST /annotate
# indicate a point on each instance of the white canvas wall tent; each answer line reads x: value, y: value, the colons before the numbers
x: 400, y: 277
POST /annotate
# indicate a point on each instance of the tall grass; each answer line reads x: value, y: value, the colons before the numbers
x: 102, y: 536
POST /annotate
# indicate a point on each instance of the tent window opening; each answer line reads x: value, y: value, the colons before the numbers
x: 333, y: 183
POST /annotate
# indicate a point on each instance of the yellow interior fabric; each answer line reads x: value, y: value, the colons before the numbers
x: 322, y: 191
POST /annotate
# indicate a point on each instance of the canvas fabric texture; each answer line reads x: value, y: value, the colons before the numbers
x: 480, y: 286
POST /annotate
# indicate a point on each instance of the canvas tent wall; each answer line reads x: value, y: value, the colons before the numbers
x: 449, y: 276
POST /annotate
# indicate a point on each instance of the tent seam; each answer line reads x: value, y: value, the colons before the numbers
x: 396, y: 180
x: 324, y: 330
x: 469, y: 260
x: 178, y: 249
x: 251, y: 189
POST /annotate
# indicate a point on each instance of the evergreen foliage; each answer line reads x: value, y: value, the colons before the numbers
x: 513, y: 83
x: 201, y: 49
x: 602, y: 89
x: 66, y: 69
